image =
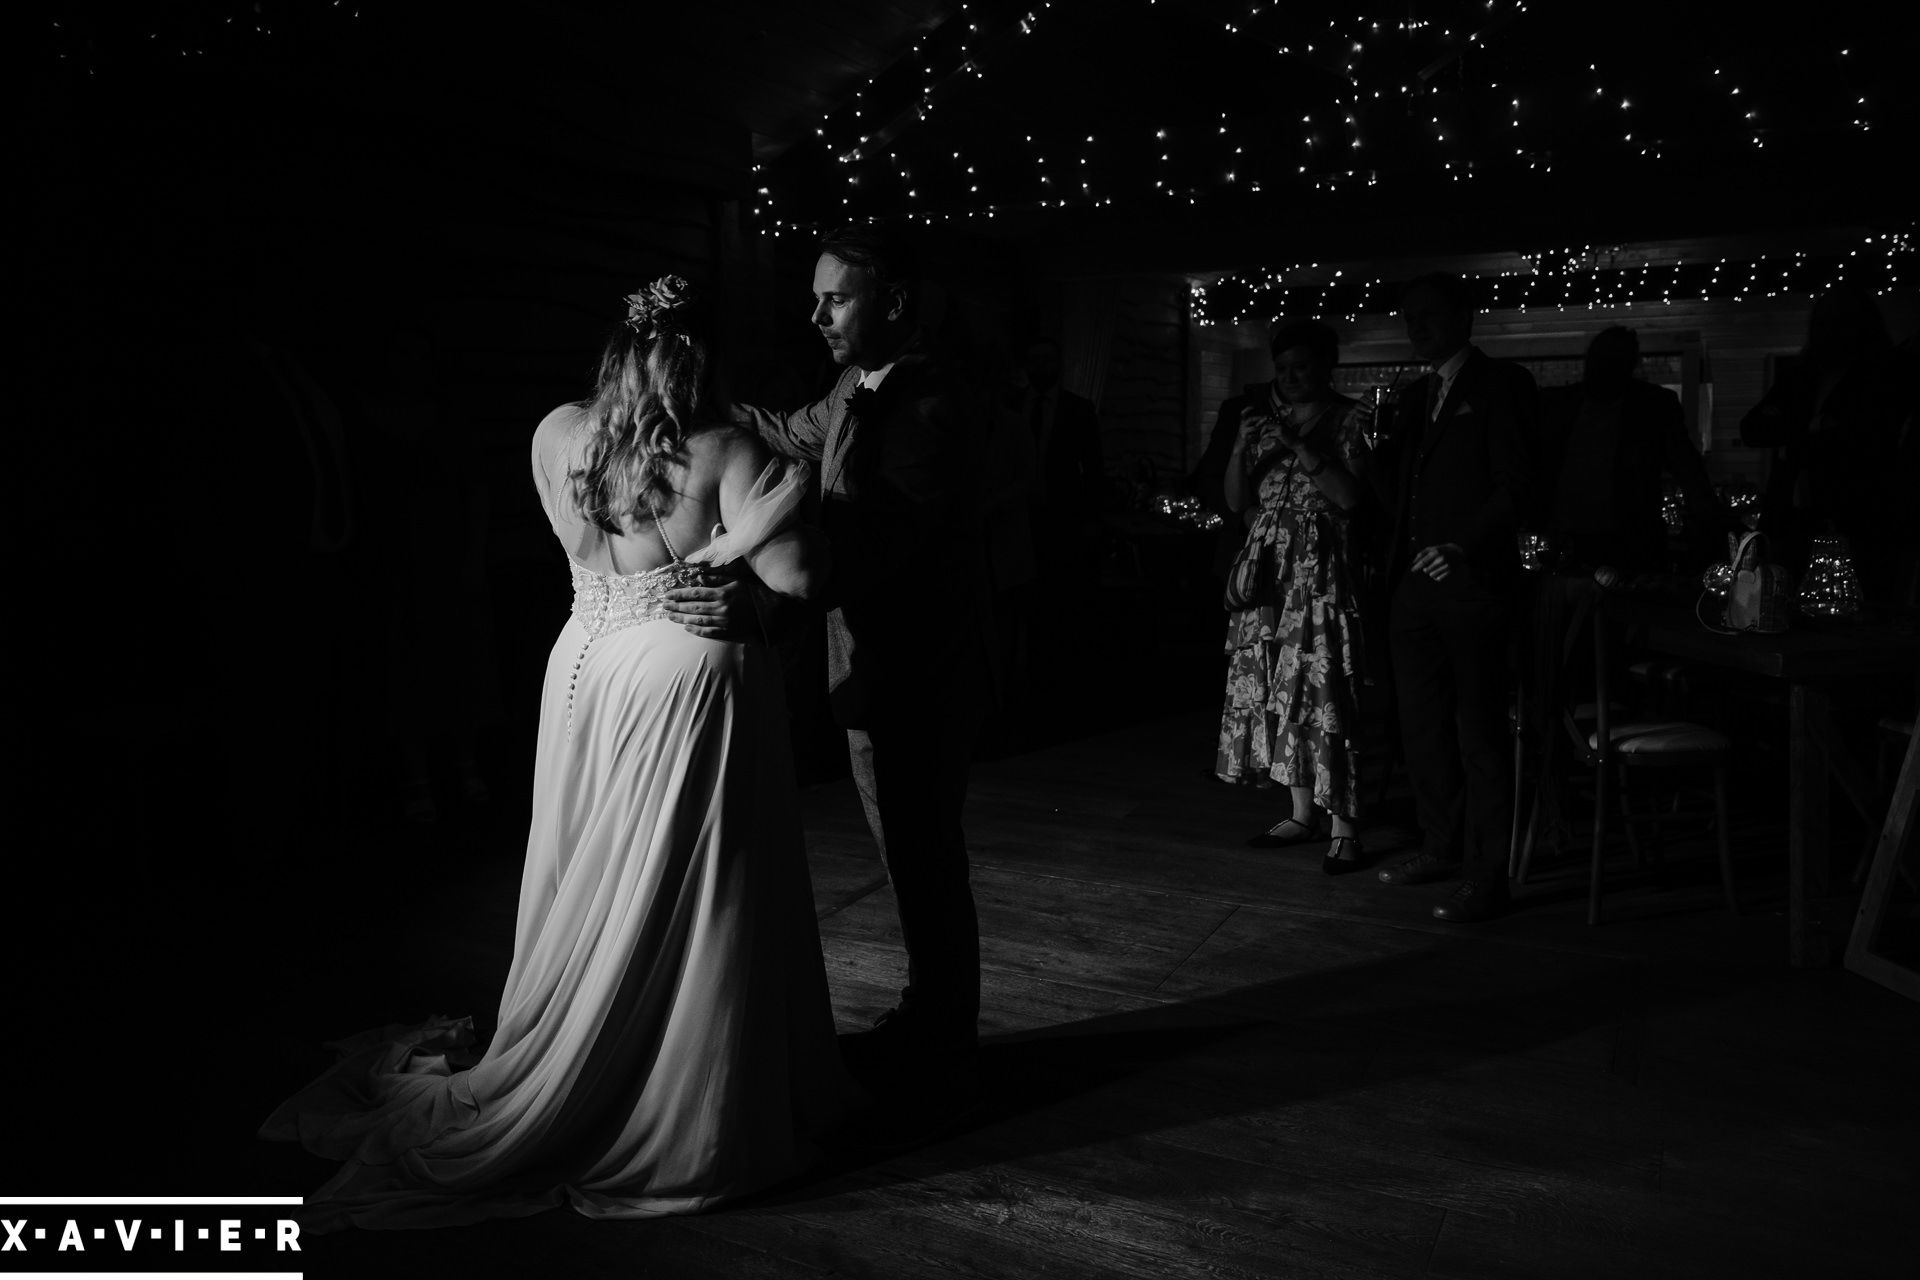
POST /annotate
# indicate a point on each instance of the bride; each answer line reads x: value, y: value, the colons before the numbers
x: 665, y: 1040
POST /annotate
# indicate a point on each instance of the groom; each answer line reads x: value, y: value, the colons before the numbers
x: 895, y: 446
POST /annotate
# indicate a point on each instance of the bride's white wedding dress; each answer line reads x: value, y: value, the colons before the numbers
x: 665, y: 1039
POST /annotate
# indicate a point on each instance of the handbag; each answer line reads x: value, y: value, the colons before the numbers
x: 1246, y: 576
x: 1757, y: 592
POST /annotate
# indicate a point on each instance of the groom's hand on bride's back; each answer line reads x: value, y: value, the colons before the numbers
x: 720, y: 609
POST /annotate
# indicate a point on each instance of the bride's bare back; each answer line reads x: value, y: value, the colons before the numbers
x: 710, y: 484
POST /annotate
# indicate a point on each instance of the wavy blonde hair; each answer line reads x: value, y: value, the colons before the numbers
x: 655, y: 384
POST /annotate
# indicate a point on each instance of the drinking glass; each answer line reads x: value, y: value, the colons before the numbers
x: 1381, y: 398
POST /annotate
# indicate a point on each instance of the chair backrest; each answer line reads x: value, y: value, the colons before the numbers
x: 1597, y: 617
x: 1571, y: 625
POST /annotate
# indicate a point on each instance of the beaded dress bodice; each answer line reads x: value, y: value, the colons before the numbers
x: 604, y: 603
x: 608, y: 603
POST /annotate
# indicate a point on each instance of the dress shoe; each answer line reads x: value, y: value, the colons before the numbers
x: 1334, y: 864
x: 1475, y: 900
x: 1283, y: 833
x: 909, y: 1110
x: 1421, y: 868
x: 909, y: 1037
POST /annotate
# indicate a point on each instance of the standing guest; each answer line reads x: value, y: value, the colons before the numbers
x: 1604, y: 442
x: 1891, y: 573
x: 1064, y: 509
x: 1293, y: 642
x: 1454, y: 467
x: 1208, y: 480
x: 1012, y: 576
x: 1068, y: 480
x: 1834, y: 419
x: 897, y: 444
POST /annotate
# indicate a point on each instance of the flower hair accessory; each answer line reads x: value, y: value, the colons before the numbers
x: 654, y: 311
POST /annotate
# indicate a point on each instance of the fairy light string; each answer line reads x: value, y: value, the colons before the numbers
x: 1458, y: 95
x: 1591, y: 277
x: 1475, y: 106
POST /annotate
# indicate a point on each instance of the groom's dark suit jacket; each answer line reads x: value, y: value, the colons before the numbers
x: 901, y: 504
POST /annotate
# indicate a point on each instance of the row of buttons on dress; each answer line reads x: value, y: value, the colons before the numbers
x: 573, y: 680
x: 606, y: 603
x: 585, y: 582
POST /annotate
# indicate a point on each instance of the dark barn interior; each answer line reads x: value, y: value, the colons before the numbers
x: 300, y: 279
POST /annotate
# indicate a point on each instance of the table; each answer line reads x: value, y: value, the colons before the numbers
x: 1811, y: 658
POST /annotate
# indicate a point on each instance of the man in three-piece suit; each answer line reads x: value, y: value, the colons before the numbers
x: 897, y: 446
x: 1456, y: 468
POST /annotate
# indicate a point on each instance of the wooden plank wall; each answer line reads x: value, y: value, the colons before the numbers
x: 1145, y: 403
x: 1220, y: 368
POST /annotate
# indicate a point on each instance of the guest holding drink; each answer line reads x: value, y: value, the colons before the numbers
x: 1293, y: 640
x: 1604, y: 442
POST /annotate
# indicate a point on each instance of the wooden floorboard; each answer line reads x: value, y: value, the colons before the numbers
x: 1201, y: 1059
x: 1216, y: 1061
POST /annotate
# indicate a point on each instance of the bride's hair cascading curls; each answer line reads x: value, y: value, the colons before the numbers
x: 654, y: 385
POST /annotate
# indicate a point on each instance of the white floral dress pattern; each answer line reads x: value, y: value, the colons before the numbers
x: 1294, y: 660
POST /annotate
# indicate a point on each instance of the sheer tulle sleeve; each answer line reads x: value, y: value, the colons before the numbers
x: 774, y: 498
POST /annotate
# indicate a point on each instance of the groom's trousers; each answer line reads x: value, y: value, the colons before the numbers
x: 912, y: 777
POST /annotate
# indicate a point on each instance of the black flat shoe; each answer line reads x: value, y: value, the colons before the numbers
x: 1335, y: 865
x: 1287, y: 831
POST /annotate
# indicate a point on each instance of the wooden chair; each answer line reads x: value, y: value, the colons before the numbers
x: 1616, y: 746
x: 1534, y: 714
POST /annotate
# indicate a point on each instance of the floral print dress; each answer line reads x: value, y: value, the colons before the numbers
x: 1293, y: 671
